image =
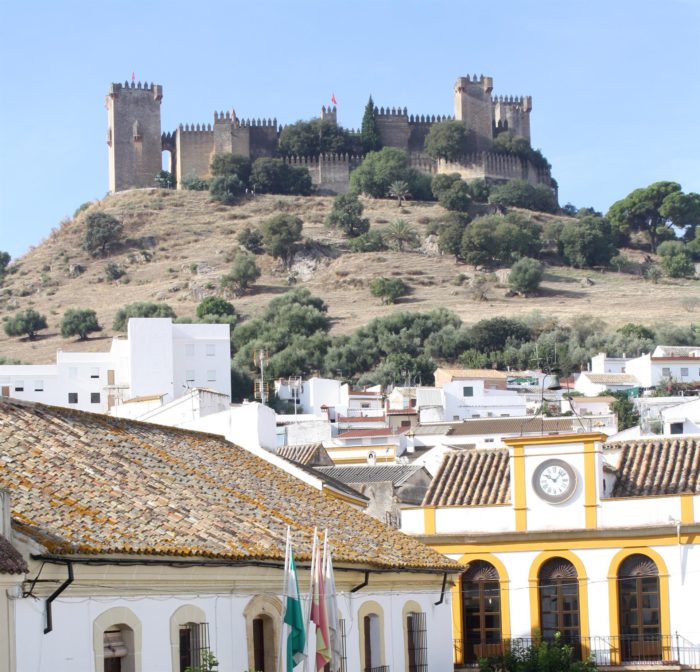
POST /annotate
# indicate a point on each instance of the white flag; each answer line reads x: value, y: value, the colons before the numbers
x: 332, y: 615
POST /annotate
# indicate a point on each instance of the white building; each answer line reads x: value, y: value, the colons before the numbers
x: 596, y: 384
x: 601, y: 363
x: 682, y: 365
x: 684, y: 418
x: 157, y: 359
x: 566, y: 533
x: 157, y: 544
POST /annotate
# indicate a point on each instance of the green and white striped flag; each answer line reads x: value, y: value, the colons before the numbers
x: 293, y: 617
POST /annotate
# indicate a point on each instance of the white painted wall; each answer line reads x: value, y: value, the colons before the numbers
x: 69, y: 647
x: 483, y: 403
x: 601, y: 363
x: 155, y: 359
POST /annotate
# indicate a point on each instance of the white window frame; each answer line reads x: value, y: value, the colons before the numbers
x: 210, y: 350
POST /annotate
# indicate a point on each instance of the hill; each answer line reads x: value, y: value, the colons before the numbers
x: 179, y: 244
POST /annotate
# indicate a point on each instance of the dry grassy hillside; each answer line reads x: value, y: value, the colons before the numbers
x: 180, y: 244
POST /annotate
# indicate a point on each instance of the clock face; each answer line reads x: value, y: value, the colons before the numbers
x: 554, y: 481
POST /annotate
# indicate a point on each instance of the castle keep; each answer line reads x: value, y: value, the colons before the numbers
x: 136, y: 142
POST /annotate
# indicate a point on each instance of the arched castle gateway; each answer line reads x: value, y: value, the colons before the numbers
x: 136, y: 143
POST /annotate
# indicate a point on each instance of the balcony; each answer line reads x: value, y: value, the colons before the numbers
x: 624, y: 652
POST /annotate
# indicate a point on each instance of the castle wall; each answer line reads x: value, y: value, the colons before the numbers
x: 513, y: 114
x: 330, y: 173
x: 194, y: 148
x: 495, y: 167
x: 393, y: 127
x: 133, y: 135
x: 135, y: 141
x: 473, y: 106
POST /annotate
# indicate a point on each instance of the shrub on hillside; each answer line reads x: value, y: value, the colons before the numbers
x: 101, y: 231
x: 448, y: 140
x: 675, y: 259
x: 251, y: 239
x: 314, y: 137
x: 388, y: 289
x: 275, y: 176
x: 227, y: 189
x: 140, y: 309
x: 114, y: 271
x: 195, y: 184
x: 79, y: 322
x: 25, y: 323
x: 215, y: 305
x: 496, y: 238
x: 525, y: 276
x: 346, y: 215
x: 228, y: 164
x: 280, y: 235
x: 244, y: 272
x: 586, y: 242
x: 522, y: 194
x: 372, y: 241
x: 379, y: 170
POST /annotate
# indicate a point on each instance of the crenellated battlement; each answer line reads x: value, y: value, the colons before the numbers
x: 228, y: 118
x: 195, y: 128
x: 323, y: 158
x: 135, y: 140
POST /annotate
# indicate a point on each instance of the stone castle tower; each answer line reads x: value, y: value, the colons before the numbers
x: 136, y: 143
x: 133, y: 135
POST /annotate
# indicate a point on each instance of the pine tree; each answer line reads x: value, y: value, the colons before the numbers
x: 371, y: 141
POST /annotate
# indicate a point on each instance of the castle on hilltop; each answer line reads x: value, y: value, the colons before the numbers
x: 136, y: 142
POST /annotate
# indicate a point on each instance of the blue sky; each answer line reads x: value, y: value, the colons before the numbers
x: 615, y: 83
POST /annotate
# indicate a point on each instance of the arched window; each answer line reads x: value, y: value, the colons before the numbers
x: 559, y: 601
x: 416, y: 642
x: 116, y: 637
x: 263, y: 616
x: 481, y: 611
x: 263, y: 644
x: 639, y: 609
x: 118, y: 645
x: 371, y: 627
x: 189, y: 637
x: 370, y: 621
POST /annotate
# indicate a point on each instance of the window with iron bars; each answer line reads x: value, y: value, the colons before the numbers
x: 343, y: 650
x: 417, y: 642
x: 194, y: 644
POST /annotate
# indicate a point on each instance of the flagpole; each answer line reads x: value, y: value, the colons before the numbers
x: 284, y: 601
x: 311, y: 597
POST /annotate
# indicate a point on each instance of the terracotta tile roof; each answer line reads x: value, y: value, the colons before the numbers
x: 11, y: 562
x: 361, y: 418
x: 312, y: 454
x: 459, y: 374
x: 471, y: 478
x: 682, y: 351
x: 611, y: 378
x: 659, y: 466
x: 148, y: 397
x: 86, y: 483
x: 366, y: 432
x: 394, y: 473
x: 526, y: 424
x: 591, y: 400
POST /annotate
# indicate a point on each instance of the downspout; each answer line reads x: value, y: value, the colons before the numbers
x: 363, y: 584
x: 55, y: 594
x: 442, y: 592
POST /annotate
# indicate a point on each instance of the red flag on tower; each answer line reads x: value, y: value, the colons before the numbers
x: 133, y: 76
x: 333, y: 100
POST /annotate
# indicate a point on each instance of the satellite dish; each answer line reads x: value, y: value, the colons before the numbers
x: 372, y: 458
